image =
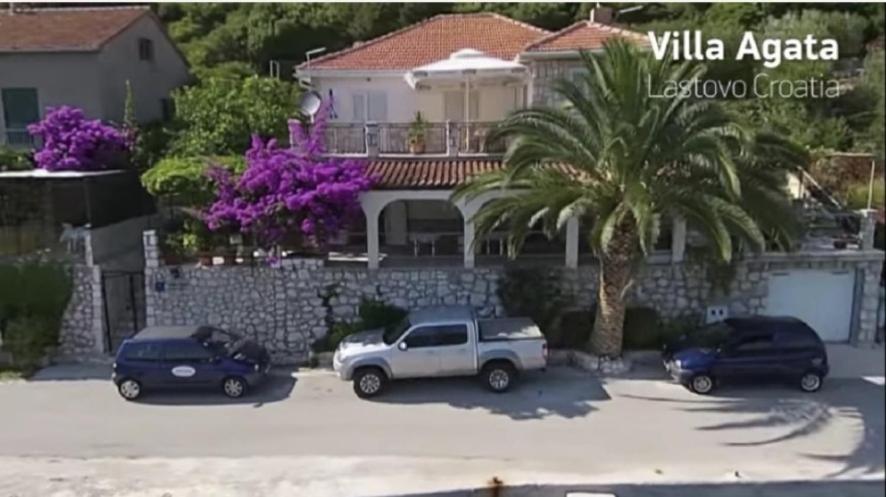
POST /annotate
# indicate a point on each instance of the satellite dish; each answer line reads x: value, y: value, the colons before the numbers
x: 310, y: 103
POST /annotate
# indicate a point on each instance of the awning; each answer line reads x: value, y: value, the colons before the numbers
x: 467, y: 64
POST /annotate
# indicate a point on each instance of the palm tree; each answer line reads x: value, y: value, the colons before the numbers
x: 620, y: 157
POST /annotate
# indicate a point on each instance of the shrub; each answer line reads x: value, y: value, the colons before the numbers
x: 857, y: 195
x: 673, y: 328
x: 183, y: 180
x: 533, y: 292
x: 641, y: 329
x: 373, y: 314
x: 33, y: 298
x: 12, y: 159
x: 377, y: 314
x: 71, y: 142
x: 573, y: 331
x: 28, y: 337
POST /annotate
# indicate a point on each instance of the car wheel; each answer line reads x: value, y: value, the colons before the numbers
x: 811, y: 381
x: 369, y: 382
x: 234, y: 387
x: 701, y: 384
x: 129, y: 389
x: 499, y: 376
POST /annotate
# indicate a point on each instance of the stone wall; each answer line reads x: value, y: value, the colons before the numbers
x: 285, y: 306
x: 82, y: 332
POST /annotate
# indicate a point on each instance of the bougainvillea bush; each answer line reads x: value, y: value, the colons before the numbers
x: 287, y: 193
x: 71, y: 142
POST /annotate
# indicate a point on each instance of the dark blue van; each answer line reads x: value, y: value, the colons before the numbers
x: 759, y: 348
x: 188, y: 357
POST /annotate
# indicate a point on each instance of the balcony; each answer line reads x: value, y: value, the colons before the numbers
x: 448, y: 139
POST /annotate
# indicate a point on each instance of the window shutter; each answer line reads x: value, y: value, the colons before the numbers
x: 378, y: 106
x: 358, y: 104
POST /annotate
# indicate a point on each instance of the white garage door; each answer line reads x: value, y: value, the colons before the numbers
x: 821, y: 298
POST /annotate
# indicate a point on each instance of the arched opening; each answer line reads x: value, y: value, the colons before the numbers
x: 491, y: 249
x: 420, y: 232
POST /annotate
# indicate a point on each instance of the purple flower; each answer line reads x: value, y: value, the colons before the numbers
x: 292, y: 191
x: 73, y: 143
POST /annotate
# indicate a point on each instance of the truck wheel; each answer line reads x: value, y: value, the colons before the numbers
x: 499, y: 376
x: 369, y: 382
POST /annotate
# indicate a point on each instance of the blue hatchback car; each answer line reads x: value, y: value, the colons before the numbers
x: 758, y: 349
x: 188, y: 357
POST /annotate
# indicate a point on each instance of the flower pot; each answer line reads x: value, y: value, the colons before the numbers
x: 229, y: 259
x: 417, y: 147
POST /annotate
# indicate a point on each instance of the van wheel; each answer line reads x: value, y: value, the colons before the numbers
x: 499, y: 376
x: 129, y: 389
x: 369, y: 382
x: 811, y: 381
x: 701, y: 384
x: 234, y: 387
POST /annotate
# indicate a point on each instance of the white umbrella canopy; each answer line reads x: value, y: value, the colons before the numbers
x: 467, y: 64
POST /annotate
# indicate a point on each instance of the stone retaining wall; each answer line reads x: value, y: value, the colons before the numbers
x: 82, y: 332
x: 284, y: 307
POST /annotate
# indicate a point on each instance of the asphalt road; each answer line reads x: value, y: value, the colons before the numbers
x: 562, y: 426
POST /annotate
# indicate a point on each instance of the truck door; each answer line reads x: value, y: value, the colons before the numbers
x: 434, y: 350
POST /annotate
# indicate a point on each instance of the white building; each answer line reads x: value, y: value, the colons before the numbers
x: 84, y: 57
x: 462, y: 73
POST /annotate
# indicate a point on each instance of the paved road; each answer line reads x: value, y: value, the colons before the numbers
x: 562, y: 426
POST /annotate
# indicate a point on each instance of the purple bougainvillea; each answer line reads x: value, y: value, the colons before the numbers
x: 73, y: 143
x: 289, y: 191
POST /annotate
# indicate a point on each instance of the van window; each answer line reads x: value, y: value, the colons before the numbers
x: 186, y: 351
x: 146, y: 351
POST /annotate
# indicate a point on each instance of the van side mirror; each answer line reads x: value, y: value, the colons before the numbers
x: 402, y: 345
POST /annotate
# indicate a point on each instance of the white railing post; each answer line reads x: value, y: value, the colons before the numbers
x: 371, y: 139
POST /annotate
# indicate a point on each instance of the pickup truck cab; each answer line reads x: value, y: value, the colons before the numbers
x: 438, y: 342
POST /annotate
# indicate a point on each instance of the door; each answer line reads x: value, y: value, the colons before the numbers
x: 436, y: 350
x: 144, y: 362
x: 823, y: 299
x: 751, y: 356
x: 456, y: 354
x: 189, y: 363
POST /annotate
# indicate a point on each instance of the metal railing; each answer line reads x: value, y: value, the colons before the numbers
x: 446, y: 139
x: 346, y: 138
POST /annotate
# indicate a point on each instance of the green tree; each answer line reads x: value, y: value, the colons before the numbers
x: 218, y: 116
x: 620, y: 159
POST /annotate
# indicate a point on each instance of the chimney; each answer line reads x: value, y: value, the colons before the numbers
x: 602, y: 15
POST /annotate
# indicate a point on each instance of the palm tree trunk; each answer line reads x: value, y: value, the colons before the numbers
x: 616, y: 271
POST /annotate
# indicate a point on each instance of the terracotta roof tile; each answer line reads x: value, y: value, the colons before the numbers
x: 427, y: 174
x: 584, y: 35
x: 64, y: 29
x: 433, y: 40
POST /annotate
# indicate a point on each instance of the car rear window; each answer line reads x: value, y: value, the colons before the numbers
x: 144, y: 351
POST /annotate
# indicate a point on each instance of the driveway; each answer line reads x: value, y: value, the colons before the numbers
x: 559, y: 426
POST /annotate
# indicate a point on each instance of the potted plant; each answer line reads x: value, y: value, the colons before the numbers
x: 417, y: 131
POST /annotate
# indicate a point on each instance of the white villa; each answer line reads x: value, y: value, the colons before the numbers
x: 462, y: 73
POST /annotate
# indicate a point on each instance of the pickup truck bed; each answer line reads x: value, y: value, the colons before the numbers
x: 494, y: 330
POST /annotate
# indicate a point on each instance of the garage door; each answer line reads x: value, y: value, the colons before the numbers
x: 821, y: 298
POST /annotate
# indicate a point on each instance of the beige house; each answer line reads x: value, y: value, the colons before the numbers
x: 83, y: 57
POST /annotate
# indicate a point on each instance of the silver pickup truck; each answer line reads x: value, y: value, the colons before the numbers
x: 441, y: 341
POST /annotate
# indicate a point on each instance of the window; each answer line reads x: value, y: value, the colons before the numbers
x: 437, y: 336
x: 142, y: 352
x: 167, y: 109
x: 370, y: 106
x: 145, y: 49
x: 186, y: 351
x: 796, y: 339
x: 20, y: 109
x: 754, y: 344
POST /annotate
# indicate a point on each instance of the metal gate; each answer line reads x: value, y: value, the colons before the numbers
x: 123, y: 303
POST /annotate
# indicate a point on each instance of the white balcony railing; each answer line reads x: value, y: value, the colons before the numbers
x: 449, y: 139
